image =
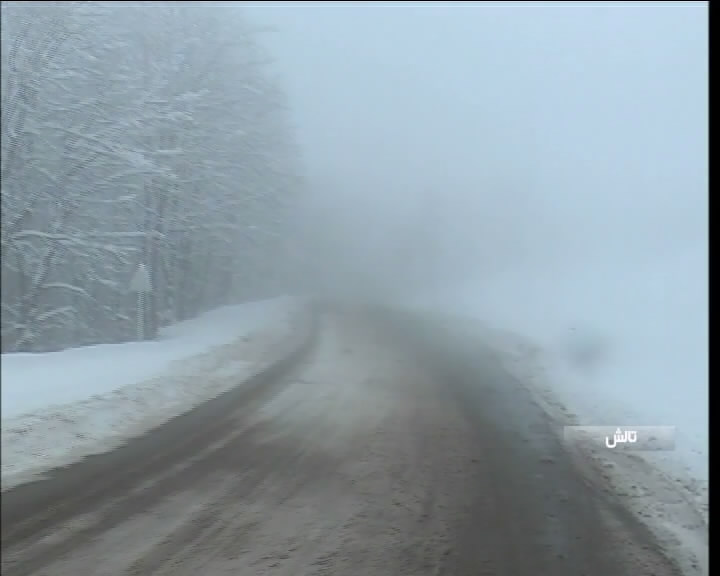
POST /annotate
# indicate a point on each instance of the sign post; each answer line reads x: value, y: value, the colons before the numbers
x: 140, y: 284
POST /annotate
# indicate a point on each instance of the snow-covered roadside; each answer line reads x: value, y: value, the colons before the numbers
x: 59, y: 407
x: 614, y: 347
x: 668, y: 498
x: 663, y: 496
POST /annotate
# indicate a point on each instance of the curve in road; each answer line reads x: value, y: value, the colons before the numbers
x: 369, y: 452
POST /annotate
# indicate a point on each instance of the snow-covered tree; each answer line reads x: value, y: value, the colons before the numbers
x: 136, y: 132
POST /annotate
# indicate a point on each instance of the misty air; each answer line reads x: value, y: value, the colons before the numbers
x: 344, y: 288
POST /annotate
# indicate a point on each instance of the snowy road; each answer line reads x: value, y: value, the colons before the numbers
x: 375, y: 455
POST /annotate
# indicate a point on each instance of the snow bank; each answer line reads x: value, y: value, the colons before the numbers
x: 32, y: 382
x: 648, y: 324
x: 59, y: 407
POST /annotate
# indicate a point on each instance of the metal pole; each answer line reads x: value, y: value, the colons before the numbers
x: 140, y: 317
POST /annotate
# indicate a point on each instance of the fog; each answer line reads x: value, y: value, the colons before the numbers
x: 446, y: 144
x: 175, y: 174
x: 496, y: 157
x: 541, y: 168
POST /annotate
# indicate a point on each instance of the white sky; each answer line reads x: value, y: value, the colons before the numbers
x: 535, y: 131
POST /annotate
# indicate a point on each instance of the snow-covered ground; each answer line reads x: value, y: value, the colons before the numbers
x: 61, y: 406
x: 646, y: 329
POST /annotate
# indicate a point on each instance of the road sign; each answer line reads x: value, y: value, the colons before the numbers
x: 141, y: 280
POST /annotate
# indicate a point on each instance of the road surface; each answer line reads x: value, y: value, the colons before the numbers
x: 380, y: 453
